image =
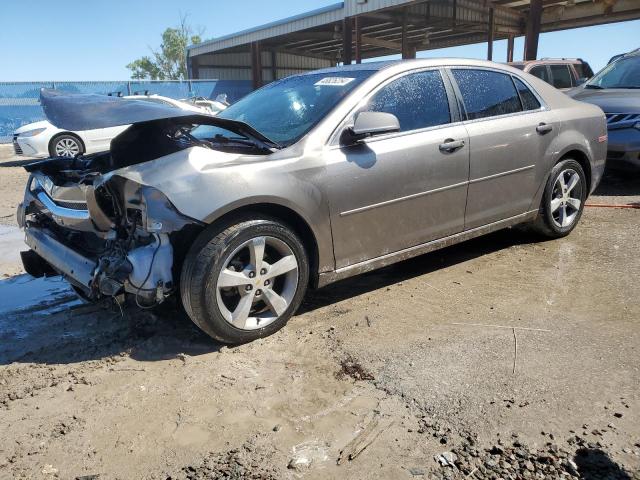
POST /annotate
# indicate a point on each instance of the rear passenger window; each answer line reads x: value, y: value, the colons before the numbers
x: 419, y: 100
x: 562, y: 77
x: 486, y: 93
x: 529, y: 100
x: 541, y: 72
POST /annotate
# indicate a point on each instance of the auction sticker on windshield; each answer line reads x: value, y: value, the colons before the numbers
x: 335, y: 81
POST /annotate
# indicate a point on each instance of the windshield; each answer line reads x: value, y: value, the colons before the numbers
x: 284, y: 111
x: 623, y: 73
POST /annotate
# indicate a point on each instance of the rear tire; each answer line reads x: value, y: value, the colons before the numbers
x: 243, y: 281
x: 562, y: 201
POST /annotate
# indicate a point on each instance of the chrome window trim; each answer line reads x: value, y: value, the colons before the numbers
x: 334, y: 137
x: 543, y: 104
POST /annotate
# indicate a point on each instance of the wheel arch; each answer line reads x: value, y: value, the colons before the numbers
x: 575, y: 152
x: 71, y: 134
x: 581, y: 157
x: 289, y: 217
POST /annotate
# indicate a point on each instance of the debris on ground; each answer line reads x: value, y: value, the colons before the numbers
x: 244, y: 463
x: 363, y: 439
x: 518, y: 461
x: 308, y: 453
x: 349, y: 367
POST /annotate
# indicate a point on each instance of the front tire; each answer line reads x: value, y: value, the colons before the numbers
x: 66, y: 145
x: 244, y: 281
x: 563, y: 200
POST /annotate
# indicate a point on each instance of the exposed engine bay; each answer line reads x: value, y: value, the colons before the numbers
x: 121, y: 232
x: 111, y: 236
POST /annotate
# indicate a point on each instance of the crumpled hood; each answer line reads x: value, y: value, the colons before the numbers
x: 614, y: 100
x: 184, y: 176
x: 77, y: 112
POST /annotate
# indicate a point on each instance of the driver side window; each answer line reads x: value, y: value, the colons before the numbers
x: 418, y: 100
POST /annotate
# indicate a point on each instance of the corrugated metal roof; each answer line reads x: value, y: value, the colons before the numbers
x: 314, y: 18
x: 355, y: 7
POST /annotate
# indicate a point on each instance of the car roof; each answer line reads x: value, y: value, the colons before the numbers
x: 408, y: 65
x: 549, y: 61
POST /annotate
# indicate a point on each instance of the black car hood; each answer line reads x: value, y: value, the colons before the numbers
x: 77, y: 112
x: 611, y: 100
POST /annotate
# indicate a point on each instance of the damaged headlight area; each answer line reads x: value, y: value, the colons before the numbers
x: 108, y: 235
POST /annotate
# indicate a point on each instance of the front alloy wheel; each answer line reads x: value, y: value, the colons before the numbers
x: 258, y: 283
x: 242, y: 281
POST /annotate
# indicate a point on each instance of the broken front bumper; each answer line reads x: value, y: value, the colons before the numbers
x: 144, y: 271
x: 77, y: 268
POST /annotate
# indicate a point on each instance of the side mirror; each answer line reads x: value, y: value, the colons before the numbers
x: 368, y: 124
x: 581, y: 81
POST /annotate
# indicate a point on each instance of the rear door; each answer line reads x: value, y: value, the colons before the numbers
x: 402, y: 189
x: 509, y: 134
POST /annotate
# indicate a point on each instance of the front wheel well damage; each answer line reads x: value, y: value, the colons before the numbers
x: 288, y: 217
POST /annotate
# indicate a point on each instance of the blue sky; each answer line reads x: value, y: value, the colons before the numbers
x: 94, y: 40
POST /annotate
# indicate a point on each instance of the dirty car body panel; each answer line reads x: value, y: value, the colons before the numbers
x: 120, y: 222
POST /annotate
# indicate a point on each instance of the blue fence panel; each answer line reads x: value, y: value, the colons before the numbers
x: 19, y: 101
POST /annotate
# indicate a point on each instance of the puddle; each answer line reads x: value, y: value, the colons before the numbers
x: 37, y: 295
x: 11, y: 243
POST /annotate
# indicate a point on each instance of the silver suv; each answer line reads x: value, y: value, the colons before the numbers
x: 309, y: 180
x: 562, y: 73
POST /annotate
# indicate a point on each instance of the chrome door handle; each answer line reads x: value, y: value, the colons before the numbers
x: 544, y: 128
x: 450, y: 145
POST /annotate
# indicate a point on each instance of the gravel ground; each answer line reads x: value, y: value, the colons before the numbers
x: 497, y: 358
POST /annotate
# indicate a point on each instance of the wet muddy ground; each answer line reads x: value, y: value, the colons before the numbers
x: 502, y: 357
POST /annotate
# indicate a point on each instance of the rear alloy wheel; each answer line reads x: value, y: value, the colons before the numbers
x: 244, y: 282
x: 562, y: 201
x: 66, y: 146
x: 566, y: 198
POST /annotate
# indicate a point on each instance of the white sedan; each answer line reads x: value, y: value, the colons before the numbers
x: 42, y: 139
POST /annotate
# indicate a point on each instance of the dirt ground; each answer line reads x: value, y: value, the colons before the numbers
x: 497, y: 358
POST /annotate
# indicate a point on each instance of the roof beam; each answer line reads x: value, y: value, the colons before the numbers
x: 378, y: 42
x: 589, y: 13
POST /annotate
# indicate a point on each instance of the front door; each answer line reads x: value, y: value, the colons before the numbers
x: 402, y: 189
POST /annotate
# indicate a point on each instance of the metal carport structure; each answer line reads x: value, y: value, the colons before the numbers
x: 354, y: 30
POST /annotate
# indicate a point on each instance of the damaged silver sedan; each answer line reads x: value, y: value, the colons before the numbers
x: 309, y: 180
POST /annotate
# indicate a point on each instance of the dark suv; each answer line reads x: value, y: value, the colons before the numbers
x: 562, y: 73
x: 616, y: 90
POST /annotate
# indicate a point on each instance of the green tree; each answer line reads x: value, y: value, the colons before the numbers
x: 169, y: 61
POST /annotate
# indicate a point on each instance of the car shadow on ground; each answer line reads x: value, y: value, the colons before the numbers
x: 595, y: 464
x: 421, y: 265
x: 60, y: 330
